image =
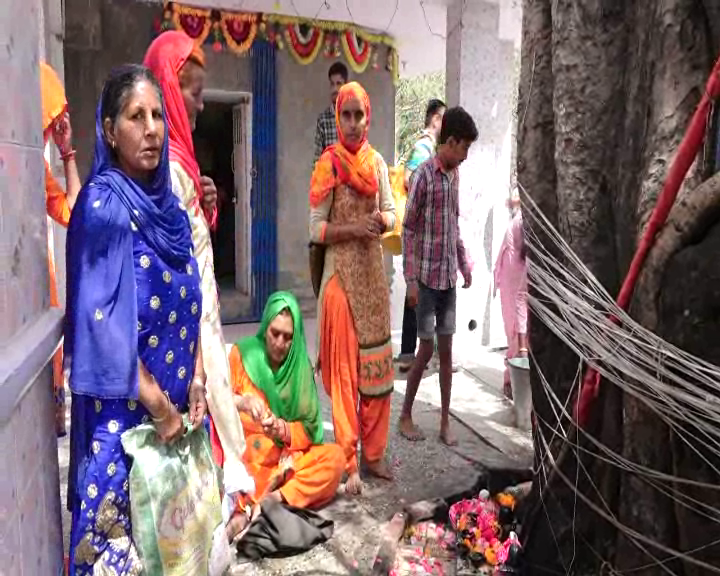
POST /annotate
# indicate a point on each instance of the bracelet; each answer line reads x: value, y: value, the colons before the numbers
x: 286, y: 433
x: 67, y: 155
x: 244, y: 506
x: 523, y: 350
x: 198, y: 383
x: 167, y: 412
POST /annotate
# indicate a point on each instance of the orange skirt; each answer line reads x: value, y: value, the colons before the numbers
x: 355, y: 416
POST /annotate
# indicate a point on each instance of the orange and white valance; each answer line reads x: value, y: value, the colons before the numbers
x: 357, y: 50
x: 304, y: 42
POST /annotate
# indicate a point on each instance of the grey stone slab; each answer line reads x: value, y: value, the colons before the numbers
x: 24, y: 357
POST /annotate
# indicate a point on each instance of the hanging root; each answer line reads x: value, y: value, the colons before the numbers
x: 691, y: 216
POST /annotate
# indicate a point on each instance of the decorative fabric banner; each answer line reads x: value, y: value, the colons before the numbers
x: 305, y: 38
x: 304, y: 42
x: 357, y: 50
x: 195, y: 22
x: 239, y: 30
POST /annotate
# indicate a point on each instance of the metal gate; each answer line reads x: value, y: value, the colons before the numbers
x: 264, y: 176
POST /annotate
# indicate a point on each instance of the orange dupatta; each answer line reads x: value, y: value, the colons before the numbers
x: 344, y: 163
x: 53, y: 95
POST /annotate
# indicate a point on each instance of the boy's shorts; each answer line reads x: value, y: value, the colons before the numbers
x: 435, y: 312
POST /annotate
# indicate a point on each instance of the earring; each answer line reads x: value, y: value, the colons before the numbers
x: 113, y: 144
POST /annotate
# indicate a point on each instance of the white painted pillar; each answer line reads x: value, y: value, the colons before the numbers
x: 481, y: 74
x: 30, y: 531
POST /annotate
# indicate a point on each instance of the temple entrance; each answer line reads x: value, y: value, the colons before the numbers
x: 223, y: 143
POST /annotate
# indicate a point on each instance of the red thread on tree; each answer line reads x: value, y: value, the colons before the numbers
x: 687, y: 152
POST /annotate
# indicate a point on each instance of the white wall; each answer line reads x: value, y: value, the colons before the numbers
x: 480, y: 75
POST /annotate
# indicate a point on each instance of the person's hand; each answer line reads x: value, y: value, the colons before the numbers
x: 375, y: 222
x: 378, y: 217
x: 253, y: 406
x: 361, y: 232
x: 62, y: 133
x: 274, y: 427
x: 170, y: 428
x: 198, y: 404
x: 411, y: 294
x: 468, y: 280
x: 269, y: 423
x: 209, y: 198
x: 367, y: 228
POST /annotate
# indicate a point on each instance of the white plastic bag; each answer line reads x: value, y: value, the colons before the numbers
x: 175, y: 501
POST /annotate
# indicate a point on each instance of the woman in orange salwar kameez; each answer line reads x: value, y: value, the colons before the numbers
x: 58, y: 203
x: 276, y: 396
x: 351, y: 206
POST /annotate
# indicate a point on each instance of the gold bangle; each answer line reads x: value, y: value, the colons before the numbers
x: 286, y: 439
x: 167, y: 412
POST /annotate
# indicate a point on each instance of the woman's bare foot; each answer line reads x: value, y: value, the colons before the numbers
x: 354, y: 486
x: 446, y: 437
x: 237, y: 524
x: 409, y: 431
x: 379, y: 469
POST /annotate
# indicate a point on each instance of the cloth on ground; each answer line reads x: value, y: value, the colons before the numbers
x: 282, y: 530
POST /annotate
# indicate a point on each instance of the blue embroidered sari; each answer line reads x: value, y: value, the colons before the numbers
x: 133, y: 293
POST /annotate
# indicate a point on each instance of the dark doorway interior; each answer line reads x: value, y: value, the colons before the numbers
x: 213, y: 139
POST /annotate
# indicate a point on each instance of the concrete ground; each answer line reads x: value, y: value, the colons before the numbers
x: 482, y: 422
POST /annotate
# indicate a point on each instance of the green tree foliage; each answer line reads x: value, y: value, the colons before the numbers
x: 411, y: 100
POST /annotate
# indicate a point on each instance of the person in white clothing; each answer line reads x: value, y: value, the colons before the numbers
x: 179, y: 66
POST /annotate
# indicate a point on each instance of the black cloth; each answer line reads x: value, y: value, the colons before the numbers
x: 282, y: 530
x: 409, y: 331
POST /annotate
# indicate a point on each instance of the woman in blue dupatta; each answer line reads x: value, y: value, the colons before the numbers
x: 133, y: 312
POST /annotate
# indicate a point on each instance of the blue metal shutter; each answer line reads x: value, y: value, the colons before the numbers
x: 264, y: 184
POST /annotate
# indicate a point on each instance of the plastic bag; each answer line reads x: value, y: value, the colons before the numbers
x: 174, y: 499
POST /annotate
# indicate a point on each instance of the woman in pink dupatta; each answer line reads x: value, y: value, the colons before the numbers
x: 511, y: 281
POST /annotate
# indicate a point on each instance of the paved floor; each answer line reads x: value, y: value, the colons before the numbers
x: 422, y: 470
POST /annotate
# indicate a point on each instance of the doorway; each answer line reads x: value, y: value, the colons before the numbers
x: 222, y: 140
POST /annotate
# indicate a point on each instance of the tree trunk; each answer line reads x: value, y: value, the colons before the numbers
x: 607, y: 88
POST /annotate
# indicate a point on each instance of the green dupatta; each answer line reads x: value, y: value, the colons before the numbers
x: 290, y: 392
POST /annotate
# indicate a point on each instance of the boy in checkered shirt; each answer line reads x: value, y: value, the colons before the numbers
x: 325, y: 130
x: 433, y: 252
